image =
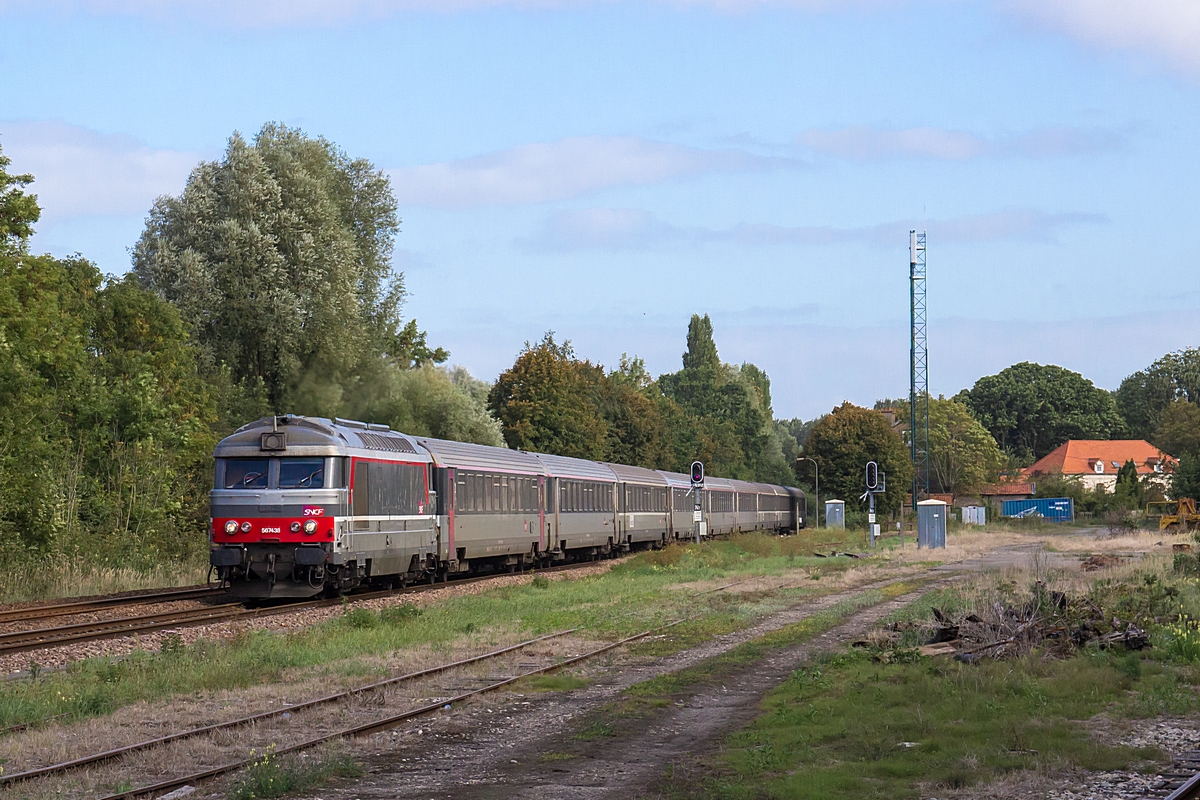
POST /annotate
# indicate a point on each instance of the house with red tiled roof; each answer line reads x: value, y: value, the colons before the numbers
x: 1096, y: 461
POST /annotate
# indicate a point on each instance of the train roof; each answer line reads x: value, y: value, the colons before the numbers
x: 629, y: 474
x: 466, y: 455
x: 565, y: 467
x: 292, y: 435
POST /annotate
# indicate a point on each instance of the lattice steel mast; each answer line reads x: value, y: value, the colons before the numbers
x: 918, y: 386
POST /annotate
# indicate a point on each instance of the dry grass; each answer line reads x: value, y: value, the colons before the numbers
x: 60, y: 576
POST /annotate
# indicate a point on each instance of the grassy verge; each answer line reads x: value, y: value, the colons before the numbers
x: 67, y: 576
x: 872, y: 723
x: 852, y: 727
x: 648, y: 590
x: 659, y: 692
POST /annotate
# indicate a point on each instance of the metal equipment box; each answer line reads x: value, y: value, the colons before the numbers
x: 931, y: 523
x: 835, y: 513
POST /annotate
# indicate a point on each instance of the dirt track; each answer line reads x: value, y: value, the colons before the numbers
x: 530, y: 747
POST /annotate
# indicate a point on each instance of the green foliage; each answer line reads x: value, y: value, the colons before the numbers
x: 844, y: 441
x: 1145, y: 396
x: 18, y: 211
x: 105, y: 423
x: 1185, y: 481
x: 962, y: 454
x: 1129, y: 491
x: 548, y: 402
x: 551, y: 401
x: 279, y: 256
x: 1030, y: 409
x: 1178, y: 430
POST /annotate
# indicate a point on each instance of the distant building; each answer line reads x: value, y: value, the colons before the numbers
x: 1096, y: 461
x: 993, y: 494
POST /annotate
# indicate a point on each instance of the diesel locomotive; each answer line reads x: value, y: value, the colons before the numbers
x: 303, y: 506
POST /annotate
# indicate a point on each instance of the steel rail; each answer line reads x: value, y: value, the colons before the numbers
x: 382, y: 724
x: 38, y: 772
x: 1188, y: 791
x: 86, y: 606
x: 40, y: 638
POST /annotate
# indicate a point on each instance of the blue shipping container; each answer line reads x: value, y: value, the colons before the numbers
x: 1055, y: 509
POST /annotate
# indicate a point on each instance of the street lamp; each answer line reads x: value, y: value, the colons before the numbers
x: 816, y: 486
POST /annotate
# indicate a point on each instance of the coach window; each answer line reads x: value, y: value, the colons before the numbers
x: 301, y: 473
x: 246, y: 473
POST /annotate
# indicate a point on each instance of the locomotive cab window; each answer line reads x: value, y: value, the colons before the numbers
x: 246, y: 473
x: 301, y: 473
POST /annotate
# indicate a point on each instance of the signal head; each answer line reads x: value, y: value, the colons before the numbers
x: 697, y: 473
x: 872, y: 475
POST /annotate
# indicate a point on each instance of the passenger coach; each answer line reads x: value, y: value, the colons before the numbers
x: 304, y: 505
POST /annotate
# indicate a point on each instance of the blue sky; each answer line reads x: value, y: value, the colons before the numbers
x: 605, y: 169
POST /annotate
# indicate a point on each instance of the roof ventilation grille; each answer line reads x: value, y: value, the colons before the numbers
x: 392, y: 444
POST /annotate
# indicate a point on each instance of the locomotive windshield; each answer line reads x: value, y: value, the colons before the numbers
x: 301, y: 473
x: 246, y: 473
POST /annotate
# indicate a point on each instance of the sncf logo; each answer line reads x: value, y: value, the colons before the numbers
x: 314, y: 511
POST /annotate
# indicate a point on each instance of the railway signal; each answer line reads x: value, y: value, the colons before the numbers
x: 697, y: 487
x: 876, y: 480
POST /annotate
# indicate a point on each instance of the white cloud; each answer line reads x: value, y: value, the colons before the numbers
x: 867, y: 143
x: 80, y: 172
x: 636, y: 229
x: 536, y: 173
x: 1166, y: 29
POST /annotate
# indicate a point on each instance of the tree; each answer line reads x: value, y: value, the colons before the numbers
x: 1144, y: 396
x: 962, y: 454
x: 1178, y: 429
x: 547, y: 402
x: 279, y: 257
x: 1129, y: 491
x: 18, y: 211
x: 732, y: 410
x: 1030, y: 409
x: 1185, y: 480
x: 845, y: 440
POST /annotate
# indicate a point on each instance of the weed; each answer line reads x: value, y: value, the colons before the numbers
x: 172, y: 645
x: 1184, y: 638
x: 540, y: 582
x: 399, y: 615
x: 359, y: 618
x: 273, y: 776
x: 596, y: 729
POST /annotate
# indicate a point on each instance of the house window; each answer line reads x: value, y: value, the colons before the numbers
x: 1099, y: 467
x: 1116, y: 466
x: 1158, y: 466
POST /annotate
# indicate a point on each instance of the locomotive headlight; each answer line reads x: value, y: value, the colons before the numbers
x: 295, y: 527
x: 231, y: 527
x: 245, y: 527
x: 310, y: 526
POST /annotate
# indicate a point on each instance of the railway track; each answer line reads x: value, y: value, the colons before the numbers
x: 1181, y: 781
x: 72, y: 607
x: 381, y: 724
x: 97, y: 630
x: 106, y: 755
